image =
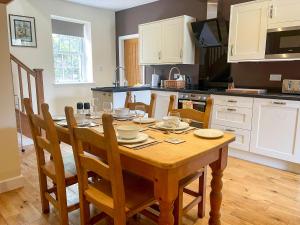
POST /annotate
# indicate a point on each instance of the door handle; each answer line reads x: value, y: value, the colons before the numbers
x: 271, y: 11
x: 232, y: 101
x: 231, y: 50
x: 159, y: 55
x: 230, y: 130
x: 231, y: 110
x: 278, y: 103
x: 181, y: 54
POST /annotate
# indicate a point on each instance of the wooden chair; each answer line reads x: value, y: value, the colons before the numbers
x: 199, y: 196
x: 119, y: 195
x: 62, y: 171
x: 150, y: 109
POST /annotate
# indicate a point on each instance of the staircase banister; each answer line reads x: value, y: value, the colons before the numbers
x: 26, y: 68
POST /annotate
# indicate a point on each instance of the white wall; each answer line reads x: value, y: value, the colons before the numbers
x: 103, y: 47
x: 9, y: 155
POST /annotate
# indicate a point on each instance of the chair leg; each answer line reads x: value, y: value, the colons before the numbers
x: 62, y: 205
x: 202, y: 192
x: 178, y: 207
x: 84, y: 211
x: 43, y: 190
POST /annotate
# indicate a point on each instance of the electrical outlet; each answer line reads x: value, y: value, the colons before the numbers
x: 275, y: 77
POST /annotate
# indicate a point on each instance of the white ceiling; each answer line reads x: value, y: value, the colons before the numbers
x: 115, y: 5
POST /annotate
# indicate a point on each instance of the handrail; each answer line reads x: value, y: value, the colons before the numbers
x: 37, y: 74
x: 18, y: 62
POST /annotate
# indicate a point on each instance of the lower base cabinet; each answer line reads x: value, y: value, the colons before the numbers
x: 276, y: 129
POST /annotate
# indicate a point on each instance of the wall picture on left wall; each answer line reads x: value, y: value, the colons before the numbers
x: 22, y: 31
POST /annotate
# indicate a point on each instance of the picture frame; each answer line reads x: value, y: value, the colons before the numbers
x: 22, y: 31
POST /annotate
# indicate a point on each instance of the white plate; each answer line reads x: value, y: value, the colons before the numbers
x: 123, y: 117
x: 85, y: 124
x: 144, y: 120
x: 182, y: 126
x: 140, y: 138
x: 209, y: 133
x: 58, y: 118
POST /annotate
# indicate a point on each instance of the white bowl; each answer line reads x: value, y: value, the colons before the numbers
x: 170, y: 121
x: 122, y: 112
x: 128, y: 132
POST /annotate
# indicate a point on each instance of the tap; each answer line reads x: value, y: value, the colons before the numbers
x: 171, y: 70
x: 117, y: 78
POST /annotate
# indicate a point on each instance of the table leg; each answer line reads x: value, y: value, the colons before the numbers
x: 216, y: 187
x: 166, y: 192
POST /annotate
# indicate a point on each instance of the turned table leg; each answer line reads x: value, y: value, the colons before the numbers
x: 216, y: 187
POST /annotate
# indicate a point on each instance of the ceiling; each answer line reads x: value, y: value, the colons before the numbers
x: 115, y: 5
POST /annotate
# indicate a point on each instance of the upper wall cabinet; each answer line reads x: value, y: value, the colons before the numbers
x: 248, y: 31
x: 284, y: 13
x: 167, y: 41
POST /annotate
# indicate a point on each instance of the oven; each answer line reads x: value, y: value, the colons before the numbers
x: 198, y: 100
x: 283, y: 43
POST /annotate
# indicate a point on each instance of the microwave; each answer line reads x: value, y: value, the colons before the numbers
x: 283, y: 43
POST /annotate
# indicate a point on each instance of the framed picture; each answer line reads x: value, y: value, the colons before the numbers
x: 22, y: 31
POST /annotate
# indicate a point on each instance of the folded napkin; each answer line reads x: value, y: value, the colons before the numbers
x: 141, y: 145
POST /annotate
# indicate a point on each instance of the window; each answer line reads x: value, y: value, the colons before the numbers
x: 68, y: 59
x: 71, y: 52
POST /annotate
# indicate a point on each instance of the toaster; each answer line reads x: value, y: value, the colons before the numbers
x: 291, y: 86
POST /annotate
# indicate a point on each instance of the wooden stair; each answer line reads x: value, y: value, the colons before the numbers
x: 29, y: 84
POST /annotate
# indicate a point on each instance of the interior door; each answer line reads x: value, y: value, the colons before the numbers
x: 172, y: 40
x: 284, y: 13
x: 248, y: 31
x: 132, y: 65
x: 150, y: 43
x: 275, y: 130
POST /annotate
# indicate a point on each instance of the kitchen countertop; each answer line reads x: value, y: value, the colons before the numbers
x: 270, y: 95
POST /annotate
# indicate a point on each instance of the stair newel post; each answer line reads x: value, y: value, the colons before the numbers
x: 39, y: 88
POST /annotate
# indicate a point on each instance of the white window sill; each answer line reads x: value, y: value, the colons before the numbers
x: 81, y: 83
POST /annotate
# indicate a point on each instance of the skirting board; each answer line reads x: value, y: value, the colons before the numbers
x: 263, y: 160
x: 11, y: 184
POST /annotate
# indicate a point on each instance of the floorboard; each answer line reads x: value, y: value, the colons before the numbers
x: 252, y: 195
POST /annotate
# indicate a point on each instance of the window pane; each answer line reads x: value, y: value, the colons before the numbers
x: 68, y: 57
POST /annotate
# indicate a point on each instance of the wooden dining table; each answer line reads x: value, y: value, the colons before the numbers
x: 166, y: 164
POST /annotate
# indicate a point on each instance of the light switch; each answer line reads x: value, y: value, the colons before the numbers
x: 275, y: 77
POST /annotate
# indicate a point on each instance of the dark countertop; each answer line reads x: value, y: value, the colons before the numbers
x: 270, y: 95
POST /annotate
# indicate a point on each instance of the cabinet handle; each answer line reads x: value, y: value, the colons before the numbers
x: 230, y: 130
x: 271, y: 11
x: 232, y: 101
x: 181, y: 54
x: 231, y: 110
x: 159, y: 55
x: 231, y: 50
x: 279, y: 103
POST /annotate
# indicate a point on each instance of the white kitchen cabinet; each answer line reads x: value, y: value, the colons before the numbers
x: 232, y: 116
x: 162, y: 103
x: 242, y: 137
x: 248, y: 31
x: 150, y: 43
x: 284, y: 13
x: 167, y: 41
x: 276, y: 129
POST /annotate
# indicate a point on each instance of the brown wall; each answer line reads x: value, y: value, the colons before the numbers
x: 127, y: 22
x: 256, y: 75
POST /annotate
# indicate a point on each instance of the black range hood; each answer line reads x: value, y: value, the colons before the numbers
x: 211, y: 33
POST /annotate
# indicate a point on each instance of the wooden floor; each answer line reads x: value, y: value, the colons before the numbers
x: 252, y: 195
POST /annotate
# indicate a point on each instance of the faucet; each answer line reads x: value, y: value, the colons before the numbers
x: 117, y: 78
x: 171, y: 70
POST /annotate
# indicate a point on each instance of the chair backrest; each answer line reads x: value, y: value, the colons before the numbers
x: 150, y: 109
x: 202, y: 117
x: 110, y: 171
x: 45, y: 138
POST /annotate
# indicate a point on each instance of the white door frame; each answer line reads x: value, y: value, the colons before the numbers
x: 122, y: 57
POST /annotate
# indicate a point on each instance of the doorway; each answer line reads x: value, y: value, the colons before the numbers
x: 129, y: 59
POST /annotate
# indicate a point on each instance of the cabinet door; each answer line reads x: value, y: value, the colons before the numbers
x: 172, y: 40
x: 150, y: 43
x: 248, y: 31
x: 242, y: 137
x: 276, y: 129
x: 284, y: 13
x: 232, y: 117
x: 162, y: 103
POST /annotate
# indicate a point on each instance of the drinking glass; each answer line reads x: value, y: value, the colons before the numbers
x: 107, y: 107
x: 174, y: 120
x: 140, y: 112
x: 95, y: 105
